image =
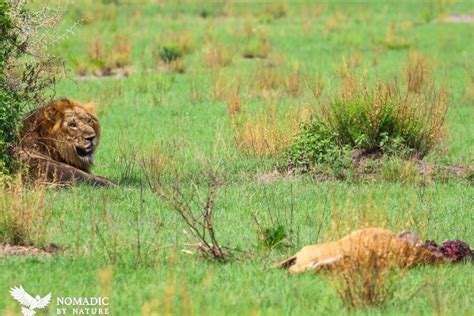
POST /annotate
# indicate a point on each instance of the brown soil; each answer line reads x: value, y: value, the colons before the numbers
x: 457, y: 18
x: 116, y: 73
x: 7, y: 250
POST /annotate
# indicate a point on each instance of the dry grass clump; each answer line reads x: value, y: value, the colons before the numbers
x: 294, y: 82
x: 277, y: 10
x: 268, y: 132
x: 367, y: 279
x: 106, y: 57
x: 24, y: 215
x: 234, y: 99
x: 217, y: 55
x: 259, y: 47
x: 268, y: 78
x: 183, y: 40
x: 394, y: 40
x: 277, y: 79
x: 172, y: 49
x: 417, y: 72
x: 220, y: 83
x: 335, y: 22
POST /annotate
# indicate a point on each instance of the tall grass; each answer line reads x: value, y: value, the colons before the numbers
x: 381, y: 118
x: 24, y: 215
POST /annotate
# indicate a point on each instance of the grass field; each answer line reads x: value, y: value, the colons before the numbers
x: 128, y: 244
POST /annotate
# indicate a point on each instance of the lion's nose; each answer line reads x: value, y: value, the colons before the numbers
x: 91, y: 141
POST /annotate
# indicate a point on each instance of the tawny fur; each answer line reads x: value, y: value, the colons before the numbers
x: 58, y: 143
x: 382, y: 243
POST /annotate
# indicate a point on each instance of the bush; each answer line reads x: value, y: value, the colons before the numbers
x: 170, y: 52
x: 25, y: 72
x: 381, y: 121
x: 314, y: 144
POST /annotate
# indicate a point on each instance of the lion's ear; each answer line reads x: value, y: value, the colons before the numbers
x: 90, y: 107
x: 53, y: 110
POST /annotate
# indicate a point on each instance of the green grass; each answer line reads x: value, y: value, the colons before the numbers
x: 98, y: 227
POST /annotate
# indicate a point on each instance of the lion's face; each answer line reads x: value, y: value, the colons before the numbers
x: 75, y: 133
x: 78, y: 137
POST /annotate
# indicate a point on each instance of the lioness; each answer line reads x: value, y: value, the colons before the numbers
x: 403, y: 249
x: 58, y: 142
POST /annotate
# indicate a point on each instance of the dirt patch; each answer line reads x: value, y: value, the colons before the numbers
x: 117, y: 73
x: 275, y: 175
x: 457, y: 18
x: 7, y: 250
x: 375, y: 166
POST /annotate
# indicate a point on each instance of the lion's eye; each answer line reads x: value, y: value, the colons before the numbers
x: 72, y: 124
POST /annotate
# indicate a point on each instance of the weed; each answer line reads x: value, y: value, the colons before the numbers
x: 275, y: 228
x: 395, y: 169
x: 315, y: 84
x: 293, y: 82
x: 216, y: 55
x: 265, y: 134
x: 200, y: 220
x: 234, y: 100
x: 195, y: 92
x: 417, y: 72
x: 24, y: 216
x: 219, y: 86
x: 170, y: 52
x: 315, y: 143
x: 395, y: 41
x: 268, y: 78
x: 104, y: 57
x: 257, y: 48
x: 178, y: 66
x: 368, y: 279
x: 277, y: 10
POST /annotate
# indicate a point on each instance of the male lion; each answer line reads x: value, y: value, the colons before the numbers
x: 58, y: 142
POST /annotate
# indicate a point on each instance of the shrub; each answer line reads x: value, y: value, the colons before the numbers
x: 25, y: 70
x: 314, y: 144
x: 376, y: 121
x: 170, y: 52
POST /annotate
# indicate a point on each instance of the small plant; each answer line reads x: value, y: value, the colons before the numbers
x: 170, y: 52
x: 417, y: 73
x: 257, y: 48
x: 395, y: 41
x: 395, y: 169
x: 268, y: 78
x: 197, y: 215
x: 316, y: 144
x: 294, y: 82
x: 365, y: 280
x: 275, y: 227
x: 234, y: 100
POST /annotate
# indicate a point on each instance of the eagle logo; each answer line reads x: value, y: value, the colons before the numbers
x: 29, y: 302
